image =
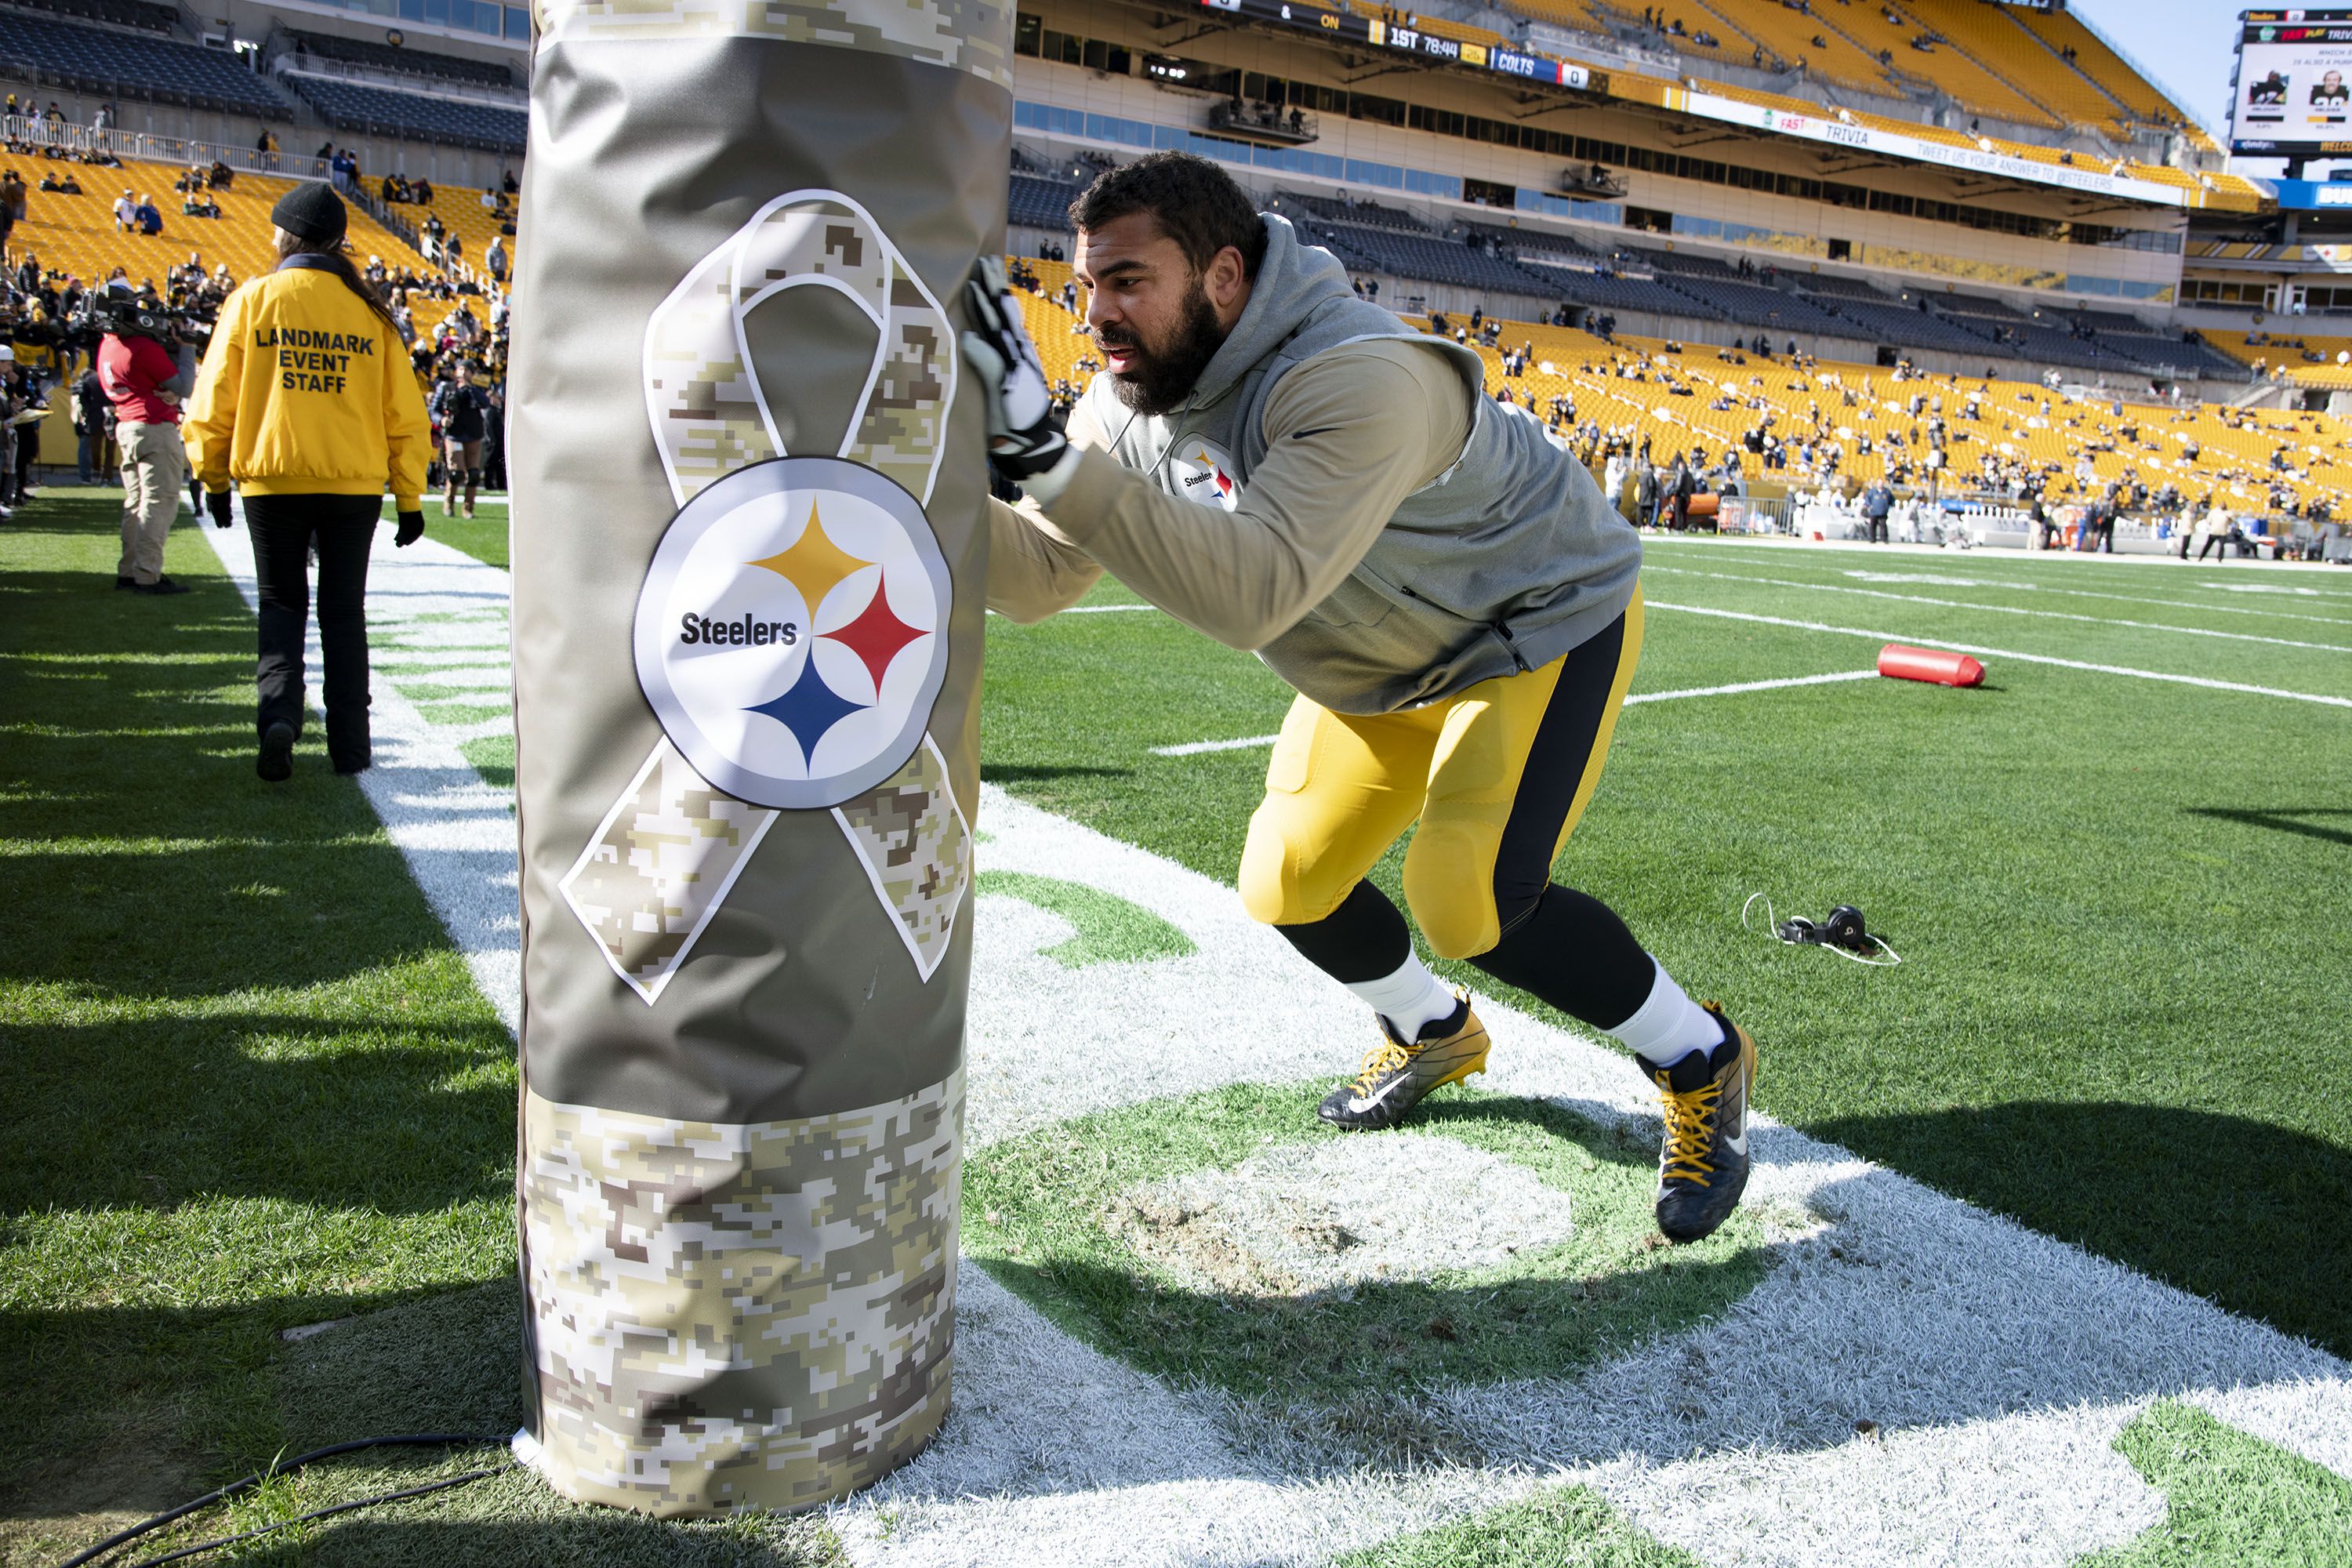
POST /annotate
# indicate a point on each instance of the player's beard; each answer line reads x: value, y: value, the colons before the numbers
x: 1162, y: 375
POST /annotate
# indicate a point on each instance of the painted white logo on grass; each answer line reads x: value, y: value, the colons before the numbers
x: 791, y: 634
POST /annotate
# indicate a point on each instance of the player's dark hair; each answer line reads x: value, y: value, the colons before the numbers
x: 340, y: 266
x: 1195, y: 203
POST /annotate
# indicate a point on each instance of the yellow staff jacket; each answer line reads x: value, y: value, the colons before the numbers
x: 306, y: 391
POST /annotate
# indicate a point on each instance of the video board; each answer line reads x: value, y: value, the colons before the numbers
x: 2291, y: 97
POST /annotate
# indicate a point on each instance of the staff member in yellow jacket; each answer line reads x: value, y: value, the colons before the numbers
x: 307, y: 402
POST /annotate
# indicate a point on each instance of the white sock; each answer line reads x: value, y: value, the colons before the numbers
x: 1669, y: 1026
x: 1408, y: 999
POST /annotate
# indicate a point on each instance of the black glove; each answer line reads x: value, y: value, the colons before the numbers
x: 1022, y: 439
x: 411, y: 529
x: 216, y: 503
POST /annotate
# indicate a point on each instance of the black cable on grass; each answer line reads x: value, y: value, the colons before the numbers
x: 238, y: 1488
x: 439, y: 1485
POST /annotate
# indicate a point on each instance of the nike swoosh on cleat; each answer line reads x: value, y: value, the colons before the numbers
x: 1357, y: 1107
x: 1737, y: 1145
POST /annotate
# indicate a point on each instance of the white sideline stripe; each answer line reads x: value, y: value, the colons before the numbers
x: 2209, y: 684
x: 1092, y: 609
x: 1995, y: 609
x: 1752, y: 686
x: 1194, y: 748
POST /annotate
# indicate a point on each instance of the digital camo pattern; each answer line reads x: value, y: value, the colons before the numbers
x: 703, y: 393
x: 710, y: 419
x: 917, y: 849
x: 962, y: 34
x: 739, y: 1316
x: 661, y: 860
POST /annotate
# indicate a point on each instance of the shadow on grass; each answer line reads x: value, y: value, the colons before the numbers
x: 2282, y: 820
x: 2242, y: 1213
x: 155, y: 1112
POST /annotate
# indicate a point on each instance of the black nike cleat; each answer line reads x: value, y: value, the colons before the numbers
x: 1702, y: 1162
x: 1395, y: 1076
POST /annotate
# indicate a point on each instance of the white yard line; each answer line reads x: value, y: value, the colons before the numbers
x: 1248, y: 743
x: 1990, y: 609
x: 2205, y: 681
x: 1094, y: 610
x: 1195, y: 748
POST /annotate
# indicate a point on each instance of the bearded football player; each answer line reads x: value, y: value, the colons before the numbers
x: 1293, y: 472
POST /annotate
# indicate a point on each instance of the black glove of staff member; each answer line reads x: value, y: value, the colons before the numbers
x: 216, y: 503
x: 411, y: 530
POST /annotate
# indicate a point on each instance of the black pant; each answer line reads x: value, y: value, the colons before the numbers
x: 284, y: 529
x: 1875, y: 529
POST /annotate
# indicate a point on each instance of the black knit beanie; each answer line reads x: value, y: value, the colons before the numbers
x: 311, y: 211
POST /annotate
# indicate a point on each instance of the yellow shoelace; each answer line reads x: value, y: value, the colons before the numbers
x: 1379, y: 1061
x: 1690, y: 1132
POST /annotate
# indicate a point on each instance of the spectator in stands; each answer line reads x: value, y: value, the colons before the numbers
x: 495, y: 259
x: 102, y: 120
x: 126, y: 211
x: 53, y: 114
x: 421, y: 193
x: 221, y: 176
x: 1645, y: 488
x: 312, y: 435
x: 151, y: 221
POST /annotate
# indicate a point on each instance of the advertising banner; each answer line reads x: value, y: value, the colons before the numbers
x: 2293, y: 95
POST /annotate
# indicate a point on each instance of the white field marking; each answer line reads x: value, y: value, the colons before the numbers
x: 1993, y: 609
x: 2208, y: 683
x: 1092, y: 610
x: 2019, y: 585
x: 1792, y: 551
x: 1194, y: 748
x: 1997, y: 1364
x: 456, y: 833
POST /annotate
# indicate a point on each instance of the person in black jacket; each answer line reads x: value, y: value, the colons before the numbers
x: 96, y: 417
x: 461, y: 411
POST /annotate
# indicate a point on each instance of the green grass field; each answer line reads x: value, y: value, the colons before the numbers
x: 252, y: 1086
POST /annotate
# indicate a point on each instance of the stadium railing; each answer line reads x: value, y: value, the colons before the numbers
x: 144, y: 147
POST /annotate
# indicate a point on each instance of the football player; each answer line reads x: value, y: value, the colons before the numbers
x: 1293, y: 472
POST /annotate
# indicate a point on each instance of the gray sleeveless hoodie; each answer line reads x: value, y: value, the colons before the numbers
x: 1504, y: 562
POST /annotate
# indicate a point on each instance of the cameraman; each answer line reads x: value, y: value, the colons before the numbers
x: 145, y: 380
x: 307, y: 403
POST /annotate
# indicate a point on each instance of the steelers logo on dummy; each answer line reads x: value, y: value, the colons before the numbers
x: 1204, y: 472
x: 793, y: 630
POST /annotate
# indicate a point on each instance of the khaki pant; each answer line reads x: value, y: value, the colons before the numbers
x: 154, y: 473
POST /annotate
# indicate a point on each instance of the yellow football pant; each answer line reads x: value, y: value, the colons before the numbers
x: 1497, y: 775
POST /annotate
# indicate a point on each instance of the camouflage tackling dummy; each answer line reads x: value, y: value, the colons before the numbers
x: 749, y: 547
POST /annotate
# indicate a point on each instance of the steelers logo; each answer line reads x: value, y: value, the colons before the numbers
x: 1200, y: 471
x: 793, y: 630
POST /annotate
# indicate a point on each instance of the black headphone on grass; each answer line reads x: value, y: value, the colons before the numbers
x: 1842, y: 929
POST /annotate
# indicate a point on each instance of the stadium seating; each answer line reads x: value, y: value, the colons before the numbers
x: 143, y: 14
x: 413, y: 116
x: 1038, y: 202
x: 2061, y: 30
x: 126, y: 65
x: 1524, y: 241
x: 461, y: 213
x: 1756, y: 304
x: 1612, y: 291
x: 2279, y: 352
x: 1368, y: 214
x: 1421, y: 256
x: 77, y: 234
x: 407, y: 61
